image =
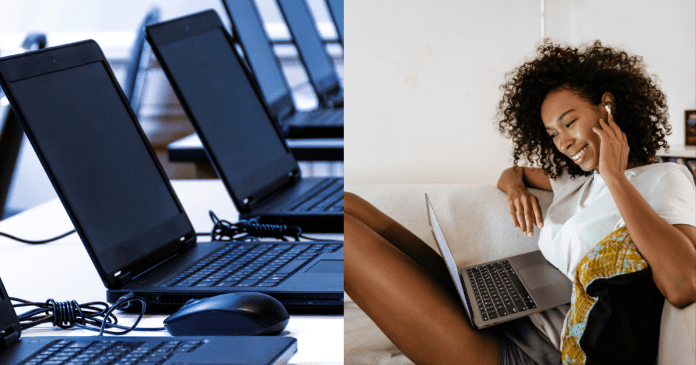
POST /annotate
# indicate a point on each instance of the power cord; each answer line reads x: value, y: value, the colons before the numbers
x: 252, y: 230
x: 93, y: 316
x: 32, y: 242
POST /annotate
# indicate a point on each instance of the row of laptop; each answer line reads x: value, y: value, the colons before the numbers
x: 326, y: 121
x: 121, y: 202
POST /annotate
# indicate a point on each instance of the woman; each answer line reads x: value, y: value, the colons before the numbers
x: 559, y: 110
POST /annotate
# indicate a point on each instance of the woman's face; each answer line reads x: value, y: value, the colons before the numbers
x: 568, y: 119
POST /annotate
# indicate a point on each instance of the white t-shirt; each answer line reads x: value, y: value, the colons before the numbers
x: 583, y: 212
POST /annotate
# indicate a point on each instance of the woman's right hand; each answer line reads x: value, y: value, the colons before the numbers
x: 525, y: 210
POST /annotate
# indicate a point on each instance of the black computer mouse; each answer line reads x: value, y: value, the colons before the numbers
x: 233, y: 314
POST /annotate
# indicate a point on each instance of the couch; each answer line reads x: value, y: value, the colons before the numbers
x: 477, y: 225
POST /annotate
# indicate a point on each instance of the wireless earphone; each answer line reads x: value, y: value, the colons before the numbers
x: 608, y: 109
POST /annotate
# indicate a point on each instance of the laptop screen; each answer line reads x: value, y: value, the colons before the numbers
x: 99, y: 160
x: 311, y: 47
x: 257, y: 49
x: 447, y: 255
x: 240, y: 138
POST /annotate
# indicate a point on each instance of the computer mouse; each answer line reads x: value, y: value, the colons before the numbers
x: 232, y: 314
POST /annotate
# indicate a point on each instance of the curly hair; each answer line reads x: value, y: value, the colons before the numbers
x: 590, y: 71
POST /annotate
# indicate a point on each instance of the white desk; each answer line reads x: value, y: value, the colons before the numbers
x: 62, y: 270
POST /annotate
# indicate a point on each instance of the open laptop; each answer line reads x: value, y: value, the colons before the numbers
x: 248, y: 30
x: 234, y: 125
x: 500, y: 291
x: 122, y: 204
x: 212, y: 350
x: 320, y: 69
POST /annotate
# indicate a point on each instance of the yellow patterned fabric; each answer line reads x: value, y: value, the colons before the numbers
x: 613, y: 256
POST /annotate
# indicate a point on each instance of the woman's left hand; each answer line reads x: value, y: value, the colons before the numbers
x: 613, y: 152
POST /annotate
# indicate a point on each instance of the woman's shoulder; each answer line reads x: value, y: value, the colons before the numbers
x: 666, y: 175
x: 658, y: 171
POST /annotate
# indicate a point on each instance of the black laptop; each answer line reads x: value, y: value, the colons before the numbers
x: 336, y: 10
x: 247, y: 28
x: 234, y: 125
x: 320, y: 69
x: 122, y: 205
x: 55, y: 350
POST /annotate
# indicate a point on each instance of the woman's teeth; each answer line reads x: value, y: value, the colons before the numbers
x: 579, y: 154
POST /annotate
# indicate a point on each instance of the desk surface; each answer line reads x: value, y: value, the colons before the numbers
x: 190, y: 149
x: 62, y: 270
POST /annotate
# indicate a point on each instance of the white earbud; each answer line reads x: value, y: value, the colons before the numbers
x: 608, y: 109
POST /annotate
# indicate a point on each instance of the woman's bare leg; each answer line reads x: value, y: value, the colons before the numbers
x: 423, y: 317
x: 400, y: 237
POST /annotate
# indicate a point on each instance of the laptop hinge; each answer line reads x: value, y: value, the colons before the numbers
x: 249, y: 203
x: 9, y: 338
x: 152, y: 268
x: 124, y: 278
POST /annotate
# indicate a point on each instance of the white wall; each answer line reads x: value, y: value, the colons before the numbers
x: 422, y: 83
x: 422, y: 76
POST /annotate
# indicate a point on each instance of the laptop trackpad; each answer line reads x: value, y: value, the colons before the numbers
x: 327, y: 267
x: 540, y: 275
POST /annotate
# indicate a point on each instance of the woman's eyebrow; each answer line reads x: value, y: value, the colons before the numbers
x: 561, y: 117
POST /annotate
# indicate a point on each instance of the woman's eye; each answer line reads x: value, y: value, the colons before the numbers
x: 569, y: 124
x: 553, y: 135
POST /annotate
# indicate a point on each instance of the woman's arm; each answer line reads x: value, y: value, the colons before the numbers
x: 670, y: 250
x: 524, y: 206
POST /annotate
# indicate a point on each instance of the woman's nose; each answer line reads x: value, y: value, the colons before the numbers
x: 565, y: 142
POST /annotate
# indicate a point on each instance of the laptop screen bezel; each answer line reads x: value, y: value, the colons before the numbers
x: 202, y: 22
x: 49, y: 60
x: 282, y: 106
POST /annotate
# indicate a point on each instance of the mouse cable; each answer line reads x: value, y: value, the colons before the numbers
x: 93, y: 316
x: 250, y: 230
x: 31, y: 242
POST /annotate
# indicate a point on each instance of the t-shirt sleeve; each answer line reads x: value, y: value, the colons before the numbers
x: 674, y: 197
x: 559, y: 185
x: 564, y: 184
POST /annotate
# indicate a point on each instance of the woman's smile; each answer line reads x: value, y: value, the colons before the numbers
x: 577, y: 158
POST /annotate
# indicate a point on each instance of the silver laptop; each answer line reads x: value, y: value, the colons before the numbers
x: 500, y: 291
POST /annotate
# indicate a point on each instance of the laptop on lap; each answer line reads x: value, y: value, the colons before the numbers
x: 133, y: 349
x: 243, y: 143
x: 500, y: 291
x: 248, y: 30
x: 122, y: 204
x: 320, y: 69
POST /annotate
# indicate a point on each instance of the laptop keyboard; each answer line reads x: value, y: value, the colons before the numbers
x: 250, y: 265
x: 327, y: 196
x: 108, y: 352
x: 498, y: 290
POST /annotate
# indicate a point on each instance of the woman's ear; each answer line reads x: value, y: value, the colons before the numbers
x: 608, y: 102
